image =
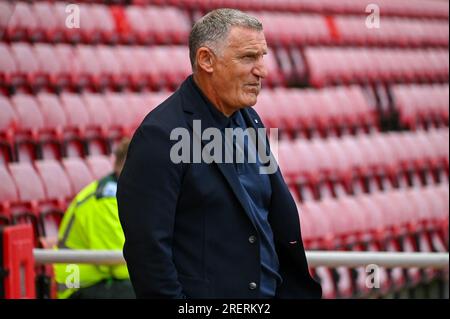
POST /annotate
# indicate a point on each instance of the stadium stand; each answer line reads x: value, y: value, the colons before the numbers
x: 362, y: 115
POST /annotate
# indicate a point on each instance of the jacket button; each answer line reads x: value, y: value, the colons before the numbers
x: 252, y: 239
x: 252, y: 285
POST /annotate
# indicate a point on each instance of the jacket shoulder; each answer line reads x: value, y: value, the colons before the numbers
x: 167, y: 115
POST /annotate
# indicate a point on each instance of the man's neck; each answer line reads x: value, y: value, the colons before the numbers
x: 205, y: 86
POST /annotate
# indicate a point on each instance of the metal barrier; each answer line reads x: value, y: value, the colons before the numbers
x: 315, y: 258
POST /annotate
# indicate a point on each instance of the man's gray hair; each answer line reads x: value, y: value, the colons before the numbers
x: 214, y: 28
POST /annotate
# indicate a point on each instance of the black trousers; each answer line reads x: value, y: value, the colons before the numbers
x: 106, y: 289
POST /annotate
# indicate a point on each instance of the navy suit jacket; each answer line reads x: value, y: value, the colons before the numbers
x: 187, y: 226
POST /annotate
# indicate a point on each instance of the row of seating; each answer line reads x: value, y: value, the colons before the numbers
x: 40, y: 192
x: 45, y: 21
x: 392, y: 31
x: 412, y: 220
x: 415, y: 8
x: 157, y: 24
x: 343, y: 110
x: 310, y: 112
x: 290, y: 29
x: 101, y: 66
x: 34, y: 120
x: 334, y: 167
x: 420, y: 105
x: 98, y: 67
x: 348, y: 65
x: 343, y: 222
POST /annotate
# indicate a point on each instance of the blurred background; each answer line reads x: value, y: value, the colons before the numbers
x: 359, y: 93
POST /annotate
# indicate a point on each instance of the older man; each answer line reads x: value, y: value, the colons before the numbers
x: 197, y: 224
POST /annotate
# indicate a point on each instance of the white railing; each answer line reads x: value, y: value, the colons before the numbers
x: 315, y: 258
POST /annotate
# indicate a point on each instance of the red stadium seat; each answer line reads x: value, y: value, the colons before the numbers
x: 100, y: 123
x: 139, y: 25
x: 31, y: 195
x: 50, y: 64
x: 78, y: 122
x: 6, y: 11
x: 22, y: 24
x: 8, y: 195
x: 55, y: 119
x: 8, y: 126
x: 55, y: 122
x: 99, y: 165
x: 58, y: 193
x: 78, y: 173
x: 122, y: 115
x: 9, y: 73
x: 71, y: 68
x: 47, y: 21
x: 91, y: 68
x: 135, y: 71
x: 112, y: 66
x: 99, y: 115
x: 31, y: 123
x: 104, y: 22
x: 27, y: 64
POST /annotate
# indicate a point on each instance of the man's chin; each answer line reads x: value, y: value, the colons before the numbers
x: 251, y: 99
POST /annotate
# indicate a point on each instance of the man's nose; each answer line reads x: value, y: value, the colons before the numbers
x: 260, y: 69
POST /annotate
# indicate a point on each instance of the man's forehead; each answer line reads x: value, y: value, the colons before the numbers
x: 246, y: 38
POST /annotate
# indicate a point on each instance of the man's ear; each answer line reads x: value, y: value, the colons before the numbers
x: 205, y: 59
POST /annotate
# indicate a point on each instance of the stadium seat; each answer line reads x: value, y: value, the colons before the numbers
x: 6, y: 11
x: 27, y: 65
x: 104, y: 23
x: 58, y: 192
x: 422, y: 106
x: 31, y: 195
x: 47, y: 21
x: 9, y: 73
x: 31, y: 124
x: 55, y: 122
x: 99, y: 165
x: 91, y: 68
x: 135, y: 71
x: 71, y: 69
x: 77, y: 123
x: 22, y: 24
x: 78, y: 173
x: 112, y: 66
x: 8, y: 126
x: 320, y: 238
x: 100, y: 119
x: 8, y: 195
x: 50, y: 65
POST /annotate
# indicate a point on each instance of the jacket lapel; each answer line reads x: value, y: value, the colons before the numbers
x: 196, y: 109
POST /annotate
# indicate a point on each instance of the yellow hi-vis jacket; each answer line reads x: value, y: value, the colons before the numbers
x: 90, y: 222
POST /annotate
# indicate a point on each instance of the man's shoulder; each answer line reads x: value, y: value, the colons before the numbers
x: 167, y: 115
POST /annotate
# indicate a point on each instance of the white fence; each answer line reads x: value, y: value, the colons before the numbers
x: 315, y: 258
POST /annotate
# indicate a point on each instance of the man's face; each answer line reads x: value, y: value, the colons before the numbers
x: 239, y: 68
